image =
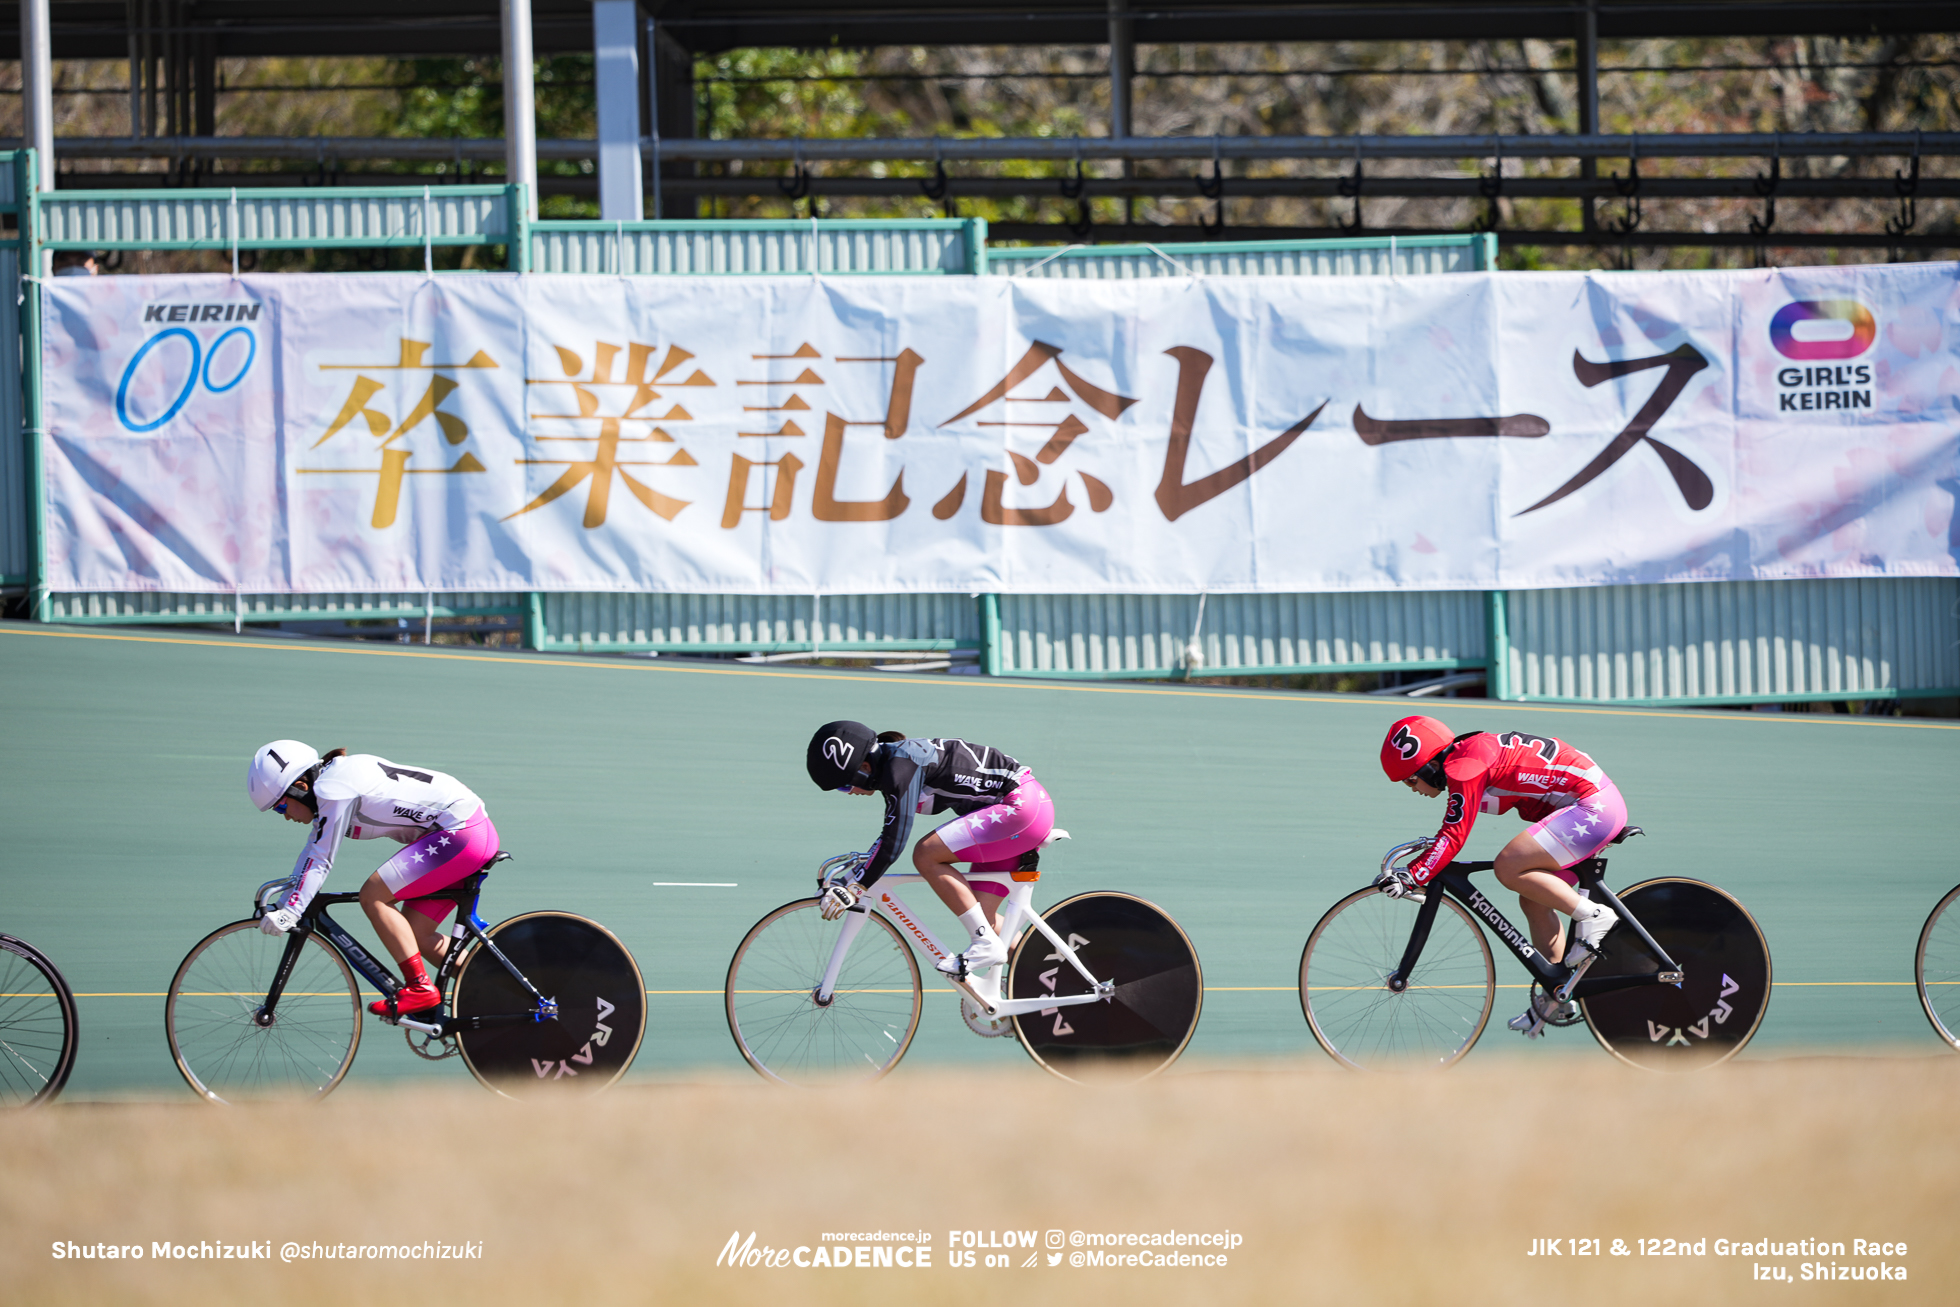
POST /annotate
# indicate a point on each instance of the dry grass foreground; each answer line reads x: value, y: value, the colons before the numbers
x: 1346, y: 1188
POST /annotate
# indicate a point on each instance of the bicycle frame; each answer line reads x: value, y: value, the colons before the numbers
x: 1558, y: 979
x: 1016, y: 911
x: 468, y: 925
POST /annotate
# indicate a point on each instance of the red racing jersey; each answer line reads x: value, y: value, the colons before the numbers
x: 1533, y: 775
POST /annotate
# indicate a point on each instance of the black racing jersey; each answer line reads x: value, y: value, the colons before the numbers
x: 931, y: 776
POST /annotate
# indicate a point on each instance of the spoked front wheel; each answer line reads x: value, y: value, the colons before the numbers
x: 37, y: 1026
x: 225, y: 1044
x: 1725, y: 989
x: 602, y: 1006
x: 1359, y: 1020
x: 771, y: 997
x: 1936, y: 967
x: 1159, y: 989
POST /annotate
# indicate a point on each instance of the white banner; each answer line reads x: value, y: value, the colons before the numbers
x: 927, y: 434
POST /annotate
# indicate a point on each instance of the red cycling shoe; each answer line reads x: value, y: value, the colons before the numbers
x: 411, y: 999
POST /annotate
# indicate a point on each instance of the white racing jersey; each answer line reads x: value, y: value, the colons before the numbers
x: 362, y: 797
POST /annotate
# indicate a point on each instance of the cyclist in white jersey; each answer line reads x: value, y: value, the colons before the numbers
x: 359, y: 796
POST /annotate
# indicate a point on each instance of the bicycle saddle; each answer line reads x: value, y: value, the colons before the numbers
x: 501, y: 856
x: 1628, y: 833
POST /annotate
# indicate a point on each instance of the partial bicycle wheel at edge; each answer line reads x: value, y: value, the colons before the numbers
x: 602, y: 1006
x: 1433, y: 1021
x: 1160, y: 989
x: 1725, y: 991
x: 773, y: 1013
x: 211, y: 1016
x: 38, y: 1029
x: 1936, y: 967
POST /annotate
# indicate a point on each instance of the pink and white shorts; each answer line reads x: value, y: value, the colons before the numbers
x: 993, y: 839
x: 1575, y: 833
x: 437, y: 861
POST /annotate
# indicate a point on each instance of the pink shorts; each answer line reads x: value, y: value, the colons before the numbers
x: 437, y: 861
x: 1578, y: 832
x: 993, y: 839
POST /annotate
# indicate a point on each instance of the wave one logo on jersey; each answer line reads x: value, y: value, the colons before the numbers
x: 1820, y: 332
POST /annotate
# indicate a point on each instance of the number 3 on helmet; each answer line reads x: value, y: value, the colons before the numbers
x: 1411, y: 744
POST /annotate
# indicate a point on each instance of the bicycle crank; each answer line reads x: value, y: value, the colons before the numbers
x: 421, y: 1041
x: 982, y: 1025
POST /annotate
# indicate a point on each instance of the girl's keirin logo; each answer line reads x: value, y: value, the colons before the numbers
x: 1822, y: 329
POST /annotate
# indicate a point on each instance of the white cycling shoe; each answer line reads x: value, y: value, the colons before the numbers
x: 985, y: 952
x: 1544, y: 1010
x: 1587, y: 933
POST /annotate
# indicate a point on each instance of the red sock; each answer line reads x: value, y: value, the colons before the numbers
x: 413, y: 972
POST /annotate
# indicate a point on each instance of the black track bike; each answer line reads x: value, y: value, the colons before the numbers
x: 38, y: 1029
x: 544, y: 1001
x: 1680, y: 982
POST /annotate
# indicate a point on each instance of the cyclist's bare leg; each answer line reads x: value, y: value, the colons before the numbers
x: 1526, y: 868
x: 1545, y: 929
x: 429, y: 938
x: 404, y: 934
x: 934, y: 861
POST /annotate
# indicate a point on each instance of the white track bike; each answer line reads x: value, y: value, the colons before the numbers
x: 1101, y: 983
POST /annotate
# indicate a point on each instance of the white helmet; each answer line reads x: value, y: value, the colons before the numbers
x: 275, y: 767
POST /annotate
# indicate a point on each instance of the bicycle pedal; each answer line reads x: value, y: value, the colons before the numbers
x: 1532, y: 1030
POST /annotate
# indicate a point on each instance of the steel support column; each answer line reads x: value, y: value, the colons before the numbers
x: 1122, y: 75
x: 520, y: 107
x: 37, y: 91
x: 616, y: 59
x: 1586, y: 59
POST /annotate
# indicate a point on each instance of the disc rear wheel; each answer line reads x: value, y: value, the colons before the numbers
x: 601, y: 999
x: 1725, y: 990
x: 1125, y: 940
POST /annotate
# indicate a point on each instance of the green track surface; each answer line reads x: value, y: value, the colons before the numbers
x: 1243, y: 813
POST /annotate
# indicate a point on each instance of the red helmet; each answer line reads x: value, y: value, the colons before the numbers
x: 1411, y: 744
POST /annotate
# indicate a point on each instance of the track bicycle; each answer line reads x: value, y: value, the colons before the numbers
x: 1936, y: 967
x: 1680, y: 982
x: 1101, y: 984
x: 544, y: 1001
x: 38, y: 1026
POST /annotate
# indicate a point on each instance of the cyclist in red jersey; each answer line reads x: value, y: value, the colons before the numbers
x: 1575, y: 810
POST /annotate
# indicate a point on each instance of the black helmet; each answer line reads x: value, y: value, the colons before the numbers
x: 836, y: 752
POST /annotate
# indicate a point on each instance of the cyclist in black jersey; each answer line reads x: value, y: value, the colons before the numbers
x: 1004, y: 814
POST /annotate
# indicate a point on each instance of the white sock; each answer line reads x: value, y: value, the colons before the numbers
x: 975, y: 921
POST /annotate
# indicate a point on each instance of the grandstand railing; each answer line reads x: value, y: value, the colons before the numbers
x: 1708, y: 643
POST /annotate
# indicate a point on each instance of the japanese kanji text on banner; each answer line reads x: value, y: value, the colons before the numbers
x: 295, y: 434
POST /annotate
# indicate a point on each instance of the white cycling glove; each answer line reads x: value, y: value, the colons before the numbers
x: 277, y: 921
x: 1397, y: 883
x: 839, y: 899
